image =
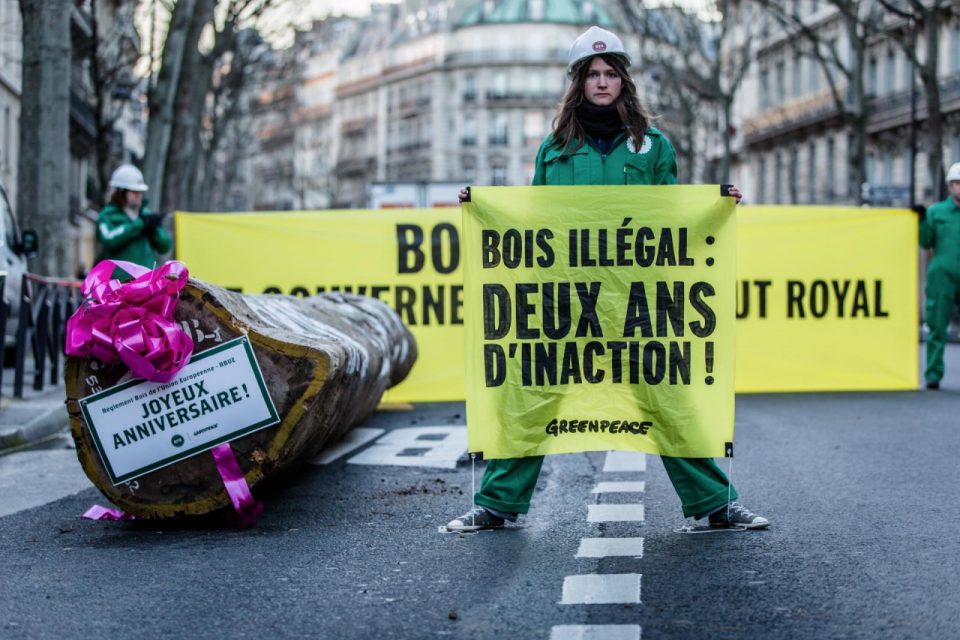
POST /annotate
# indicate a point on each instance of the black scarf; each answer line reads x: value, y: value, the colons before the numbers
x: 599, y: 122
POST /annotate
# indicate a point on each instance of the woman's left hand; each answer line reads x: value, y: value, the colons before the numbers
x: 733, y: 191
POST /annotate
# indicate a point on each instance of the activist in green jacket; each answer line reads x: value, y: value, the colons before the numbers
x: 126, y: 228
x: 940, y: 231
x: 602, y: 136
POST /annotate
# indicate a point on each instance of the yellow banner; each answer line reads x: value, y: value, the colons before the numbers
x: 410, y: 259
x: 598, y: 319
x: 827, y: 295
x: 826, y: 299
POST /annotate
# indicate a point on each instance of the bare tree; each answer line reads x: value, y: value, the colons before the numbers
x: 111, y: 56
x: 189, y: 94
x: 859, y: 21
x: 698, y: 59
x: 912, y: 18
x: 43, y: 172
x: 162, y: 96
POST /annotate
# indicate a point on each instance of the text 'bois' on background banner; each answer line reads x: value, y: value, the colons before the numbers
x: 599, y: 318
x: 408, y: 258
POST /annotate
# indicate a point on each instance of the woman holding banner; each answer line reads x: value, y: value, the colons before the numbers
x: 602, y: 136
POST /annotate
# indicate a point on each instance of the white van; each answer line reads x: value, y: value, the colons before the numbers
x: 16, y: 247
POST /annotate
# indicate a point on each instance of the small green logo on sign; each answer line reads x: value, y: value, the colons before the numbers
x: 177, y: 440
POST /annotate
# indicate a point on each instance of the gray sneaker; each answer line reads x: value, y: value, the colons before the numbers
x: 477, y: 519
x: 735, y: 515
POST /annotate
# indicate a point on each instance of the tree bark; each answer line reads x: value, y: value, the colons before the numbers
x: 43, y: 199
x: 160, y: 125
x: 326, y: 362
x: 194, y: 83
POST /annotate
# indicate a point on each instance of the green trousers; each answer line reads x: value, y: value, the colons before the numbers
x: 508, y: 485
x: 943, y: 292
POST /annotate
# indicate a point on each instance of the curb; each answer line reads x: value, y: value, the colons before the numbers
x: 52, y: 420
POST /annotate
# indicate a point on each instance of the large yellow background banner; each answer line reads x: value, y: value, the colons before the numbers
x: 827, y: 299
x: 599, y: 319
x: 411, y: 260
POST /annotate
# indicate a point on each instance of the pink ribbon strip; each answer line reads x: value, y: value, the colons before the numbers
x: 248, y: 508
x: 132, y: 321
x: 96, y: 512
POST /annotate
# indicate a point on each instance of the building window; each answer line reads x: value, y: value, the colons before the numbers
x: 469, y: 169
x: 469, y: 130
x: 955, y: 48
x: 533, y: 129
x: 762, y: 179
x: 470, y: 88
x: 813, y: 196
x: 781, y: 83
x: 498, y: 130
x: 498, y: 88
x: 778, y: 177
x: 890, y: 73
x: 956, y: 149
x: 792, y: 173
x: 831, y: 169
x: 764, y: 89
x: 499, y: 173
x: 872, y: 72
x: 813, y: 73
x: 797, y: 76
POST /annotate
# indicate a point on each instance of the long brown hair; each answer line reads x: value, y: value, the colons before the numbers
x: 568, y: 133
x: 119, y: 197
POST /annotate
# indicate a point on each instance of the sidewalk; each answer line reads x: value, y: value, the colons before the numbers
x: 38, y: 416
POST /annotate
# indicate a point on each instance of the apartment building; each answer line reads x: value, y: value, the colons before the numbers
x: 793, y: 138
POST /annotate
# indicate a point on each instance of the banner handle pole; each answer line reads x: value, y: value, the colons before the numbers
x: 473, y: 483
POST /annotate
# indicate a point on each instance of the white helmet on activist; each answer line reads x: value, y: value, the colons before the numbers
x: 954, y: 173
x: 595, y: 41
x: 128, y: 177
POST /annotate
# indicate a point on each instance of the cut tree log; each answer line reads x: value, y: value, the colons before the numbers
x: 326, y: 361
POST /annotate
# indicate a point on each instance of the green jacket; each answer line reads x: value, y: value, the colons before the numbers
x: 940, y: 231
x: 655, y: 162
x: 122, y: 238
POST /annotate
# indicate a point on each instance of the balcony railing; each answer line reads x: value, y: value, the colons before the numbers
x: 484, y: 56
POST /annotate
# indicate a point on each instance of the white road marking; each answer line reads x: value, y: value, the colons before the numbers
x: 354, y: 439
x: 606, y: 547
x: 593, y: 588
x: 625, y: 461
x: 417, y: 447
x: 620, y: 487
x: 32, y: 478
x: 615, y: 513
x: 595, y: 632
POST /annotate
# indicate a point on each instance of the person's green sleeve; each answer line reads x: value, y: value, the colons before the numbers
x: 160, y: 240
x: 539, y: 171
x: 114, y: 235
x: 665, y: 169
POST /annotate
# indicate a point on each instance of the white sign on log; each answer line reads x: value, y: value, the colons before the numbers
x: 141, y: 426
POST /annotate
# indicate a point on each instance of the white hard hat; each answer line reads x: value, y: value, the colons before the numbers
x: 128, y: 177
x: 954, y: 172
x: 595, y: 41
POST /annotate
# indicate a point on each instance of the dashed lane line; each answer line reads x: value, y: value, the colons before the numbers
x: 615, y: 512
x: 601, y: 588
x: 607, y: 547
x: 625, y: 461
x: 619, y: 487
x: 595, y: 632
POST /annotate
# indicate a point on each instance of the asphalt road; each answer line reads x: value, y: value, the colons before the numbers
x: 859, y: 488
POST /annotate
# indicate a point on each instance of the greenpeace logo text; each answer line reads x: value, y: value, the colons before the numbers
x: 556, y: 427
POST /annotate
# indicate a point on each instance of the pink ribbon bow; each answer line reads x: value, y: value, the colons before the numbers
x: 132, y: 321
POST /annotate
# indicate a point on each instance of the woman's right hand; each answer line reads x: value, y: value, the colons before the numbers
x: 464, y: 195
